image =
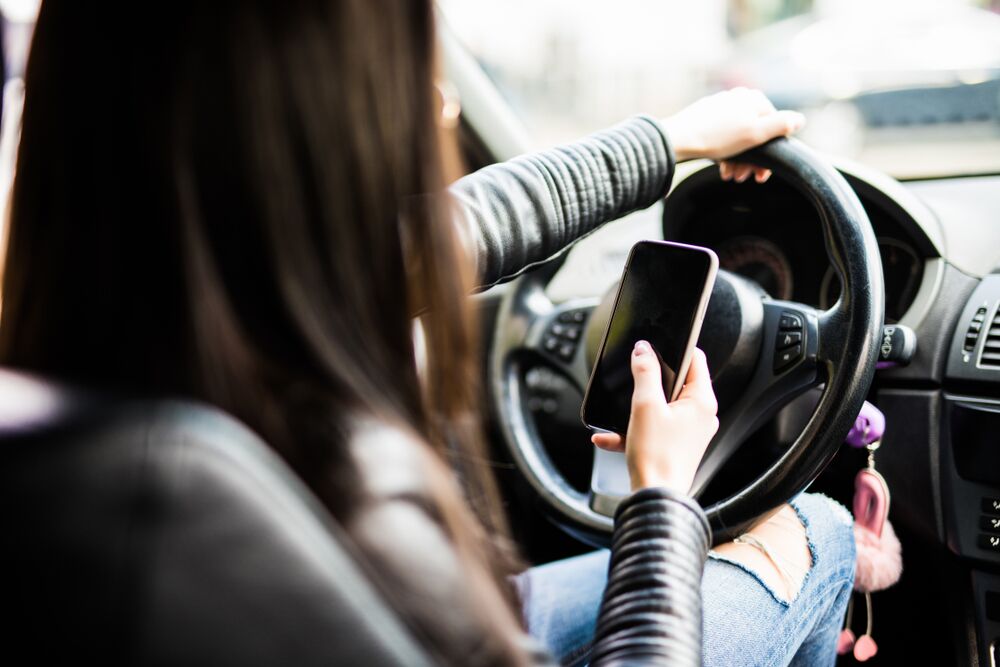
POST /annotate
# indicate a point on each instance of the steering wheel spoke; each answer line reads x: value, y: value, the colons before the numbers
x: 787, y: 368
x: 557, y: 336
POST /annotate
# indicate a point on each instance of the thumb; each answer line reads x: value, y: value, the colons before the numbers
x: 780, y: 124
x: 646, y: 374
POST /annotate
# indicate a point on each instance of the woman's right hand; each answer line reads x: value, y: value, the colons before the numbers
x: 665, y: 441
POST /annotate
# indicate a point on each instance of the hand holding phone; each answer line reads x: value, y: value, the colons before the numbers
x: 666, y: 442
x: 645, y: 357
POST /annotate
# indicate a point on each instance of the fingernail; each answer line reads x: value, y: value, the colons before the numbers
x: 641, y: 348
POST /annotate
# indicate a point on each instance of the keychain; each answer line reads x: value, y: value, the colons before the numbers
x: 879, y: 554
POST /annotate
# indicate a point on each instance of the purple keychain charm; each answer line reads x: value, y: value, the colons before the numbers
x: 879, y: 555
x: 868, y: 427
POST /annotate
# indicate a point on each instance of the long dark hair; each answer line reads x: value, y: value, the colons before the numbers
x: 235, y: 201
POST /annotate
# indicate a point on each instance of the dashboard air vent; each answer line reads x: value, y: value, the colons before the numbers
x: 991, y: 346
x: 972, y: 335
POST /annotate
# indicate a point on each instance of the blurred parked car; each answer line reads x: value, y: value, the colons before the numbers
x: 873, y: 75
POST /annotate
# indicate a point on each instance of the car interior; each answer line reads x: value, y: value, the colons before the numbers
x: 938, y: 242
x: 836, y: 251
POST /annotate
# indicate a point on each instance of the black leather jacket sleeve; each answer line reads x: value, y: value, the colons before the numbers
x: 651, y: 610
x: 519, y: 213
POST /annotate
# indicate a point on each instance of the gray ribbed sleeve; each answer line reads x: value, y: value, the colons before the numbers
x: 526, y: 210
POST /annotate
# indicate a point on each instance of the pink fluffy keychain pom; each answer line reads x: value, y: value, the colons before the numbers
x: 880, y: 557
x: 879, y: 560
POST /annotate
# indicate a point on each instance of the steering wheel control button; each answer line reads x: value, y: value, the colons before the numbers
x: 991, y: 506
x: 573, y: 316
x: 786, y: 339
x: 784, y: 359
x: 565, y: 331
x: 790, y: 322
x: 788, y: 347
x: 990, y: 524
x: 990, y: 543
x: 562, y: 336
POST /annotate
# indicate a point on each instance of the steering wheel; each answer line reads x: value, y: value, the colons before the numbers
x: 762, y: 352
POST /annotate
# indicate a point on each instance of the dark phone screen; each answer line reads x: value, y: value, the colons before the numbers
x: 658, y: 301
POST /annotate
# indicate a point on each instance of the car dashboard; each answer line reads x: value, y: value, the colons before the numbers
x: 772, y: 235
x: 939, y: 243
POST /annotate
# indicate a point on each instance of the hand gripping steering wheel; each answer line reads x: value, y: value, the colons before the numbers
x: 762, y: 352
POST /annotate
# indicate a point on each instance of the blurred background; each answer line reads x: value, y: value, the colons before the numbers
x: 911, y: 87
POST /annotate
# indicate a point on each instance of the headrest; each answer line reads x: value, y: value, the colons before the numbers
x: 166, y: 532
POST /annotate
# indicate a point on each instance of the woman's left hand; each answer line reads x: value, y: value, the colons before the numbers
x: 725, y: 124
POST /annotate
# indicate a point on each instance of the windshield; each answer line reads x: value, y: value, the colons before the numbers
x: 911, y: 87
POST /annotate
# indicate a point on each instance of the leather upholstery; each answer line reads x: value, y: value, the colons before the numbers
x: 165, y: 534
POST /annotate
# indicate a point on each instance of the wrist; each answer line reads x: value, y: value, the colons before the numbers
x: 648, y: 479
x: 684, y: 143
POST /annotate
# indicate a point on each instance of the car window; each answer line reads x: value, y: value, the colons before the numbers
x: 911, y: 87
x: 17, y: 21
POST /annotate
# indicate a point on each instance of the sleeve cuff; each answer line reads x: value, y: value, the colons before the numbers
x: 668, y: 150
x: 652, y: 495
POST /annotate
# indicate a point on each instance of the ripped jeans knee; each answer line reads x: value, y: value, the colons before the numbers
x: 776, y: 550
x: 788, y: 582
x: 781, y: 550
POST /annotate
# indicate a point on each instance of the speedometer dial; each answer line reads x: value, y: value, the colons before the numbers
x: 761, y: 261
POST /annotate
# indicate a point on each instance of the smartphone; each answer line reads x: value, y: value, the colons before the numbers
x: 662, y: 298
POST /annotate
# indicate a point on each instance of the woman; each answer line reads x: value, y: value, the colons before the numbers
x: 247, y: 218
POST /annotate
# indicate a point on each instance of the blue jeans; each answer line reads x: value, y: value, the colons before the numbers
x: 744, y: 621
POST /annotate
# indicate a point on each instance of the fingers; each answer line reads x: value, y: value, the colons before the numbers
x: 647, y: 375
x: 648, y: 393
x: 698, y: 385
x: 778, y: 124
x: 761, y: 102
x: 611, y: 442
x: 740, y: 172
x: 768, y: 125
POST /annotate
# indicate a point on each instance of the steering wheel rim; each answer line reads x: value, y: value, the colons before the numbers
x: 840, y: 350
